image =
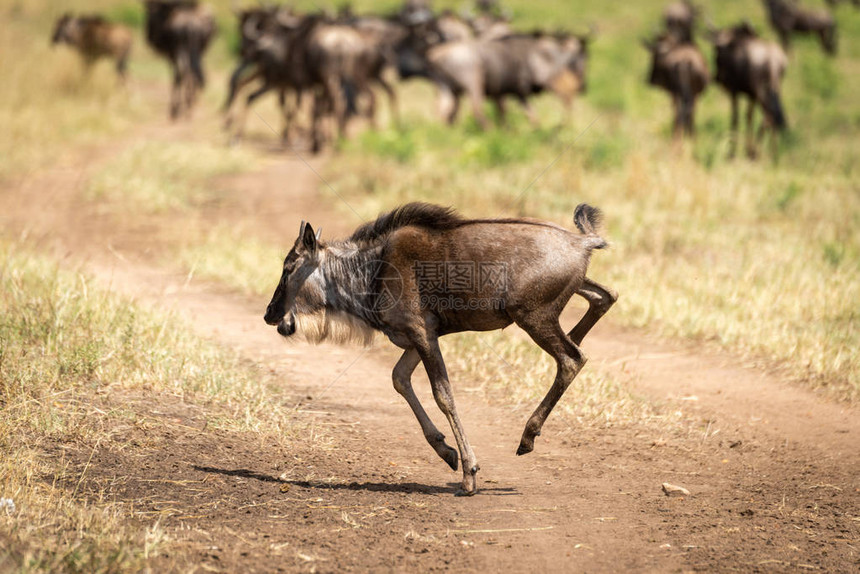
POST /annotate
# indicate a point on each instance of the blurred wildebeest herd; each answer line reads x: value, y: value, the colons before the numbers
x: 337, y: 60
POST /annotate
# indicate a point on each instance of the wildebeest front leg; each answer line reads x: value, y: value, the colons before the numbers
x: 547, y: 333
x: 289, y: 112
x: 677, y: 123
x: 529, y: 110
x: 240, y: 84
x: 476, y: 97
x: 320, y: 101
x: 338, y: 102
x: 176, y: 92
x: 600, y: 299
x: 733, y: 131
x: 501, y: 113
x: 431, y: 356
x: 122, y: 68
x: 402, y: 376
x: 249, y: 101
x: 449, y: 103
x: 752, y: 150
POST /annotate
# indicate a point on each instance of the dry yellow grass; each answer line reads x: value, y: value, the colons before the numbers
x: 47, y: 105
x: 153, y: 177
x: 65, y: 347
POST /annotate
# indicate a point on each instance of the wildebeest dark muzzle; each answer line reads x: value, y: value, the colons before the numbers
x: 286, y: 323
x: 275, y: 315
x: 287, y: 326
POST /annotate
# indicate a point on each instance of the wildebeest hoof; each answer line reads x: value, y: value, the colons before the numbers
x: 450, y: 457
x: 470, y: 484
x: 527, y: 444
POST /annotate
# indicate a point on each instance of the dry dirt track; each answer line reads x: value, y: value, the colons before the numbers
x: 775, y: 475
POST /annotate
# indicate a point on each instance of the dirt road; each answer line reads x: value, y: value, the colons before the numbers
x: 774, y: 471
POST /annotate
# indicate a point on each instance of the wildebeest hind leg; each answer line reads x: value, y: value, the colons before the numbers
x: 547, y: 333
x: 733, y: 132
x: 600, y: 299
x: 402, y: 377
x: 392, y: 99
x: 122, y: 68
x: 501, y: 113
x: 752, y: 150
x: 449, y: 103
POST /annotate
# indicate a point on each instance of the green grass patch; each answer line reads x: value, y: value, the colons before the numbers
x: 131, y: 14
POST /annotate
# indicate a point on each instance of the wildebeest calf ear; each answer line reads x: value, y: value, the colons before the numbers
x: 309, y: 238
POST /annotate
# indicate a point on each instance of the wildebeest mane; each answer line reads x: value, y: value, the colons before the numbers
x: 419, y: 214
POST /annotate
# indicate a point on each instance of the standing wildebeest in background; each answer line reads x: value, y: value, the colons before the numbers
x: 312, y: 53
x: 678, y: 67
x: 380, y: 37
x: 787, y: 17
x: 264, y: 55
x: 518, y: 65
x: 421, y: 272
x: 680, y: 19
x: 252, y: 24
x: 748, y: 65
x: 424, y: 31
x: 94, y: 37
x: 181, y: 30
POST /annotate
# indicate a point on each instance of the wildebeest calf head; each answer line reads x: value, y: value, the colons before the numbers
x: 302, y: 260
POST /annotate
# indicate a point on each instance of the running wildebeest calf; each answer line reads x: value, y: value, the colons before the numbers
x: 750, y: 66
x: 679, y: 68
x: 181, y: 31
x: 421, y: 272
x: 788, y: 17
x: 94, y: 37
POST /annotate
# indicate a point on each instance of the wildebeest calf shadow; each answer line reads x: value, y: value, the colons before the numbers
x: 404, y: 487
